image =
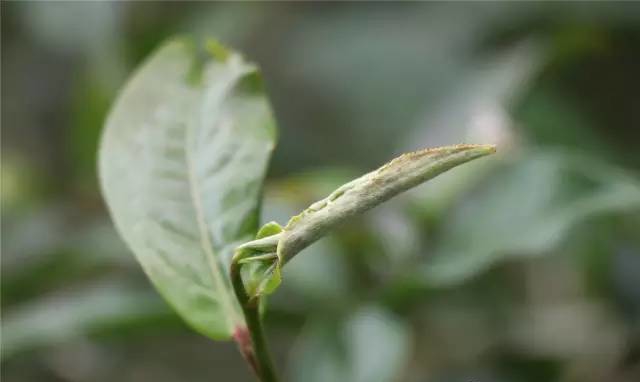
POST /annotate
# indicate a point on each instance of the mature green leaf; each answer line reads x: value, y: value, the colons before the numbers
x: 182, y: 161
x: 526, y: 209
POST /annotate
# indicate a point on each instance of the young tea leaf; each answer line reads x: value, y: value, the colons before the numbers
x: 261, y: 270
x: 351, y: 199
x: 182, y: 161
x: 366, y: 192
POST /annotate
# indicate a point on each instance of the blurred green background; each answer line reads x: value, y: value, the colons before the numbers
x: 520, y: 267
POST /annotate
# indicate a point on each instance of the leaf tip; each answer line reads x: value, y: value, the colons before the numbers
x: 480, y: 148
x: 490, y: 149
x: 269, y: 229
x: 475, y: 150
x: 218, y: 50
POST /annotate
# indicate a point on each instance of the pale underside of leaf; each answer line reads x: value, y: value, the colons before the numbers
x: 181, y: 168
x: 405, y: 172
x: 351, y: 199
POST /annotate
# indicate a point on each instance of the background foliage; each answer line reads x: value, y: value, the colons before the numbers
x: 523, y: 267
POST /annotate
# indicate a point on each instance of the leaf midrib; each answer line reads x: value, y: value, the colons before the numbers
x: 232, y: 315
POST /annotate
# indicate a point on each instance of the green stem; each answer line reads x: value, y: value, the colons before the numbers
x: 255, y: 352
